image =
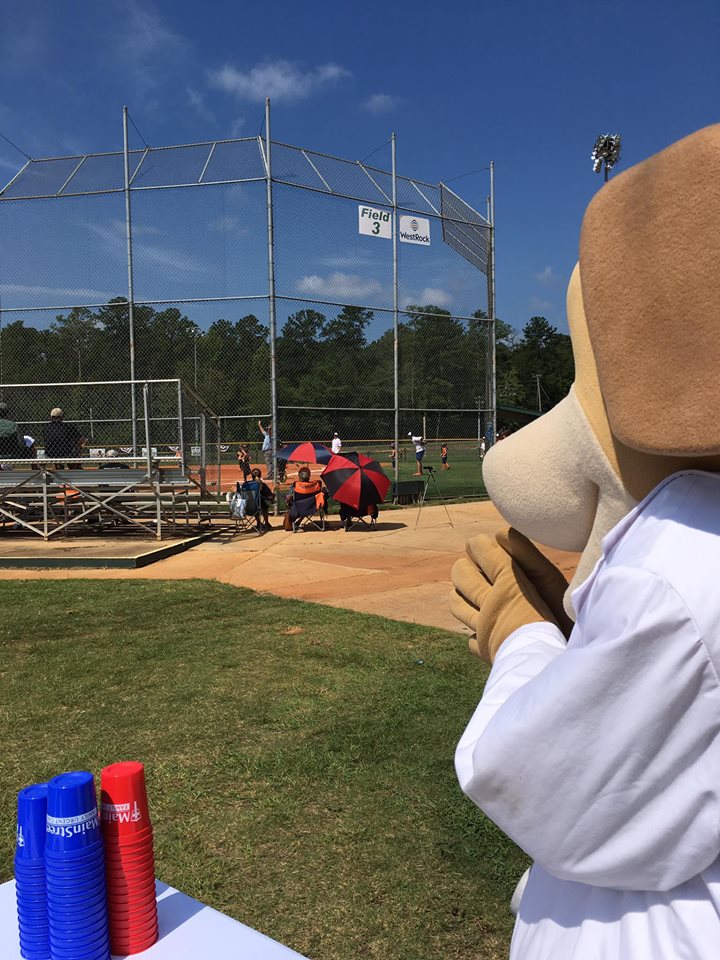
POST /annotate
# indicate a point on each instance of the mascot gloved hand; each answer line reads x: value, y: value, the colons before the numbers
x: 599, y: 753
x: 503, y: 584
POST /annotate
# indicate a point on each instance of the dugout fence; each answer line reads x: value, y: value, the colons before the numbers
x: 280, y: 284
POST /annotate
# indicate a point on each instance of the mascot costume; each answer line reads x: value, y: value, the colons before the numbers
x: 596, y: 745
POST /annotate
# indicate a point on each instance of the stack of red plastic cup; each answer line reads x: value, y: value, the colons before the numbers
x: 129, y: 859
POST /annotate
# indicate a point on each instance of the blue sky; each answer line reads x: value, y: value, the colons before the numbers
x: 529, y: 85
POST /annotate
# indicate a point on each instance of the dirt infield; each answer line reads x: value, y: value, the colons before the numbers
x: 400, y: 571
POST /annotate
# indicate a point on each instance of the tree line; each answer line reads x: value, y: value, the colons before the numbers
x: 323, y: 361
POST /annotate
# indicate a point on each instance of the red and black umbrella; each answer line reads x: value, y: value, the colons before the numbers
x: 305, y: 452
x: 355, y: 480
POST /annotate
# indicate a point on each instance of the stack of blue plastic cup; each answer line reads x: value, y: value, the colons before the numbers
x: 30, y: 873
x: 77, y: 908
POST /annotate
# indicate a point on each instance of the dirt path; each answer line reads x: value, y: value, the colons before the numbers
x: 399, y: 570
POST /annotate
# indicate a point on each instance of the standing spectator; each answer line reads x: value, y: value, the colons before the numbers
x: 419, y: 453
x: 12, y: 444
x: 267, y: 449
x: 62, y: 440
x: 393, y: 455
x: 336, y: 445
x: 444, y: 456
x: 482, y: 448
x: 243, y: 459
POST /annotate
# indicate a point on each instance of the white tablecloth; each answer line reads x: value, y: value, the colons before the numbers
x: 188, y: 931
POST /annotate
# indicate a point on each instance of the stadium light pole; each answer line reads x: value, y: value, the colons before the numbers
x: 131, y: 286
x: 491, y: 305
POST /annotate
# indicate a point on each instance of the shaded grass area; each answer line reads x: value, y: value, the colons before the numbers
x: 299, y: 758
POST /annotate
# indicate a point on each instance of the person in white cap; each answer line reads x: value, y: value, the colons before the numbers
x: 419, y: 453
x: 62, y: 440
x: 336, y: 445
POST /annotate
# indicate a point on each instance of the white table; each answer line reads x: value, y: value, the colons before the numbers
x: 188, y: 931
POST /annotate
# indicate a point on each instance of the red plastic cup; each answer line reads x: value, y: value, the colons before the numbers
x: 118, y: 872
x: 120, y: 903
x: 134, y: 841
x: 135, y: 927
x: 130, y: 861
x: 130, y: 885
x: 123, y: 800
x: 128, y: 947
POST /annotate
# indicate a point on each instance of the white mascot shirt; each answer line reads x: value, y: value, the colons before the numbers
x: 601, y: 758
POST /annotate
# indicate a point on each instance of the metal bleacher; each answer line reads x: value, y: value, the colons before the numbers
x: 153, y: 490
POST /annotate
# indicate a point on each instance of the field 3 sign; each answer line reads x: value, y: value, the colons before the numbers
x: 374, y: 223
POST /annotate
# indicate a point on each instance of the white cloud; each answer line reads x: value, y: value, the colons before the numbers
x: 541, y: 306
x: 10, y: 165
x: 279, y: 79
x: 435, y: 296
x: 236, y: 127
x: 381, y: 103
x: 197, y: 102
x: 163, y: 256
x: 146, y: 46
x: 339, y: 286
x: 73, y: 294
x: 546, y: 276
x: 225, y: 224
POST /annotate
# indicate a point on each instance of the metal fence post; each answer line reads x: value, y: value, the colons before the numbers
x: 131, y: 286
x: 219, y: 460
x: 271, y: 297
x: 491, y: 306
x: 181, y: 437
x: 149, y: 460
x: 396, y: 333
x: 203, y: 455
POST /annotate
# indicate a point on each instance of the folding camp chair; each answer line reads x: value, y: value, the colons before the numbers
x: 305, y: 510
x: 245, y: 508
x: 365, y: 516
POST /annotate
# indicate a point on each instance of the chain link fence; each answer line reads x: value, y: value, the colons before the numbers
x: 281, y: 285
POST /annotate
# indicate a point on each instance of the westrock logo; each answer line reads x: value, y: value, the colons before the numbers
x: 414, y: 230
x: 70, y: 826
x: 120, y: 812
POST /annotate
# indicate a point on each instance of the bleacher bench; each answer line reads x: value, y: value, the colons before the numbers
x: 407, y: 491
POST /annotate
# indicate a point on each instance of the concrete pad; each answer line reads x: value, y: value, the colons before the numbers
x: 401, y: 570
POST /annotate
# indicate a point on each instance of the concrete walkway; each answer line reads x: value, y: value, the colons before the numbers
x: 398, y: 570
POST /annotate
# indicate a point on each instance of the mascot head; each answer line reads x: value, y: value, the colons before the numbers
x: 644, y: 316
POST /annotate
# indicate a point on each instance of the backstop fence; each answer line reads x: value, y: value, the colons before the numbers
x: 308, y: 292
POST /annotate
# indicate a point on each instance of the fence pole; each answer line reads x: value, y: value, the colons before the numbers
x: 203, y: 456
x: 271, y: 298
x: 396, y: 340
x: 491, y: 306
x: 149, y: 461
x: 219, y: 460
x: 181, y: 438
x: 131, y: 286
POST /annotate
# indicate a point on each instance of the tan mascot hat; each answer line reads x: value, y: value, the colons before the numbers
x: 650, y: 265
x: 596, y: 744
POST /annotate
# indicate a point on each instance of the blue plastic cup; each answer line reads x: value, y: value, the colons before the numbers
x: 31, y: 870
x: 29, y: 890
x: 72, y: 814
x: 67, y: 885
x: 78, y: 912
x: 31, y: 814
x: 91, y: 951
x: 73, y: 930
x: 73, y: 858
x: 79, y: 942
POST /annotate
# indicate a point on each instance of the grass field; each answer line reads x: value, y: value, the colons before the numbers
x: 299, y: 758
x: 463, y: 479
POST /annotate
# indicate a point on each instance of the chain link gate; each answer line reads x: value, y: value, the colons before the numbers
x: 280, y: 284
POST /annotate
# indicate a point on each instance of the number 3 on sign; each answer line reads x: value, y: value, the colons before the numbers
x: 374, y: 222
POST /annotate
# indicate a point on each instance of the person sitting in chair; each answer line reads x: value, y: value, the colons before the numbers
x: 303, y: 490
x: 263, y: 497
x: 348, y: 514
